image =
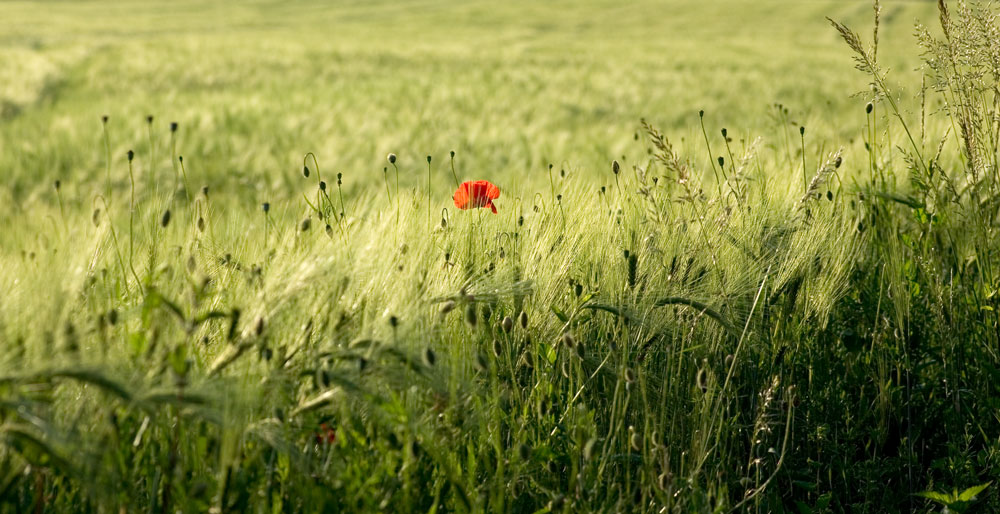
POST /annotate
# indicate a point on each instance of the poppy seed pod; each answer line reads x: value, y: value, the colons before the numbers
x: 104, y: 119
x: 470, y: 315
x: 507, y: 324
x: 428, y: 159
x: 524, y: 319
x: 322, y: 185
x: 447, y: 307
x: 173, y: 126
x: 588, y: 448
x: 131, y: 155
x: 722, y: 162
x: 615, y: 167
x: 391, y: 158
x: 868, y: 108
x: 429, y: 357
x: 702, y: 379
x: 497, y: 348
x: 568, y: 340
x: 165, y: 220
x: 802, y: 131
x: 723, y: 132
x: 524, y: 451
x: 266, y: 206
x: 149, y: 119
x: 305, y: 171
x: 306, y: 223
x: 629, y: 375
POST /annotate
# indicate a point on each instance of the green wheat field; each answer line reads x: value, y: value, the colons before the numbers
x: 746, y: 256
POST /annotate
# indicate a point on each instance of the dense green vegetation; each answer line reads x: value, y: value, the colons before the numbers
x: 798, y: 312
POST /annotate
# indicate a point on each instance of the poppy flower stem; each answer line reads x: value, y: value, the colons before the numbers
x: 397, y: 190
x: 453, y: 174
x: 429, y: 226
x: 385, y: 180
x: 552, y: 185
x: 107, y: 155
x: 711, y: 160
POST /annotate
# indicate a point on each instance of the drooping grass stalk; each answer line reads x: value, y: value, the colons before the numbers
x: 114, y: 240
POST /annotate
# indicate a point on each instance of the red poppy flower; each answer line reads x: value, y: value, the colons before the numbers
x: 474, y: 194
x: 326, y: 434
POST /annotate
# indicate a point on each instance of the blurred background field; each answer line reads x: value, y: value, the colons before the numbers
x: 510, y: 86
